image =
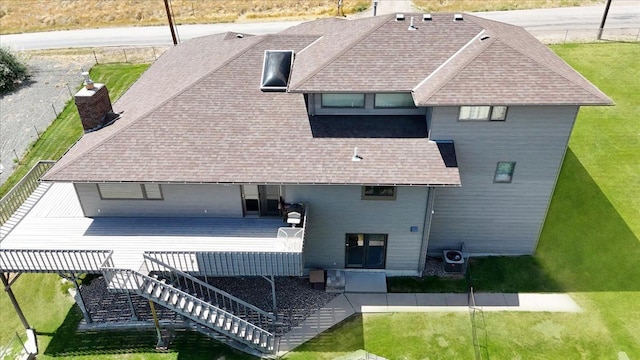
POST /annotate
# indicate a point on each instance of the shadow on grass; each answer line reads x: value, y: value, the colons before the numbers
x: 66, y: 341
x: 585, y: 246
x: 348, y: 336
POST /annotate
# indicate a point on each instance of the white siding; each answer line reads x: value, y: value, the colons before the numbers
x: 499, y: 218
x: 338, y: 210
x: 179, y: 200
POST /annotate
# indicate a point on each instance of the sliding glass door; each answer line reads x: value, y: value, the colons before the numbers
x: 366, y: 251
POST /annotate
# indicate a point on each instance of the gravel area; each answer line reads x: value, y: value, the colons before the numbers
x: 31, y: 105
x: 295, y: 298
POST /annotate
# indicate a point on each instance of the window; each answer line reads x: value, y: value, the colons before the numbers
x: 483, y: 113
x: 394, y: 100
x: 126, y: 191
x: 378, y: 193
x: 504, y: 172
x: 343, y: 100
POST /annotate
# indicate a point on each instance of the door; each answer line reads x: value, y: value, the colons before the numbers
x: 366, y: 251
x: 269, y: 199
x: 250, y: 200
x: 261, y: 200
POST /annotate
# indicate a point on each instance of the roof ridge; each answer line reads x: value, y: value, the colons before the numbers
x: 462, y: 66
x: 591, y: 89
x: 343, y: 51
x: 187, y: 87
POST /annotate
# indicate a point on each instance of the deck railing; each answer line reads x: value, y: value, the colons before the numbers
x: 77, y: 261
x: 207, y: 292
x: 22, y: 190
x: 191, y: 306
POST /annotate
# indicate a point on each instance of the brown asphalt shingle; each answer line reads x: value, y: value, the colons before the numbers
x: 198, y: 115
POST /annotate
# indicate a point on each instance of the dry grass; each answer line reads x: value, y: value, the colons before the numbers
x: 17, y: 16
x: 495, y: 5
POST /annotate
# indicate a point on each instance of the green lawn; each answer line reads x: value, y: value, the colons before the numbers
x: 67, y: 129
x: 589, y: 247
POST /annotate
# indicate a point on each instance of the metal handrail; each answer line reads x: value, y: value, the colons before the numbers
x: 22, y: 190
x: 225, y: 295
x: 139, y: 281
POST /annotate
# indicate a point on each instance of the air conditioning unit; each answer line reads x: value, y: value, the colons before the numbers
x: 453, y: 261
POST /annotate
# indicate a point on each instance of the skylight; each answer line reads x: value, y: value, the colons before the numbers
x: 276, y: 70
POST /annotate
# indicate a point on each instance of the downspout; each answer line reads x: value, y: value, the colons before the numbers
x: 426, y: 230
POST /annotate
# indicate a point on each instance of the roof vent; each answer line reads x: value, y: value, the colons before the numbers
x: 412, y: 27
x: 484, y: 37
x: 399, y: 17
x: 276, y: 70
x: 355, y: 156
x: 426, y: 17
x: 239, y: 36
x: 457, y: 17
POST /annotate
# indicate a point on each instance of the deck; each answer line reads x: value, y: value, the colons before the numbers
x: 55, y: 222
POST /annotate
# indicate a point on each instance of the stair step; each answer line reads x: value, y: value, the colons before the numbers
x: 220, y: 321
x: 148, y: 287
x: 165, y: 294
x: 271, y: 343
x: 249, y: 335
x: 197, y: 311
x: 256, y: 336
x: 174, y: 299
x: 205, y: 314
x: 235, y: 326
x: 190, y: 306
x: 228, y: 323
x: 158, y: 291
x: 243, y: 329
x: 182, y: 303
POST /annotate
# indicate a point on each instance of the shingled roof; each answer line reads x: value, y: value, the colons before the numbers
x: 198, y: 114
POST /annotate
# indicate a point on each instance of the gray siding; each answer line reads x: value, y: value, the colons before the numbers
x: 179, y: 200
x: 498, y: 218
x: 315, y: 108
x: 233, y: 263
x: 338, y: 210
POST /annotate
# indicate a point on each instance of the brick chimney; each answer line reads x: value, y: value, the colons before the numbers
x: 94, y: 105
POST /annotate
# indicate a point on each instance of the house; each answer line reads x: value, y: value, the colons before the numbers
x: 391, y: 138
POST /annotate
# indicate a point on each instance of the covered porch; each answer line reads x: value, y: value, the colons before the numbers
x: 52, y: 219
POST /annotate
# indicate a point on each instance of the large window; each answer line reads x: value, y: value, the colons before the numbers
x: 343, y: 100
x: 504, y: 172
x: 125, y: 191
x: 366, y: 251
x: 378, y: 193
x: 394, y: 100
x: 483, y: 113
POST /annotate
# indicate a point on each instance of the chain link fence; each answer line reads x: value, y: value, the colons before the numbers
x: 28, y: 111
x: 14, y: 349
x: 586, y: 35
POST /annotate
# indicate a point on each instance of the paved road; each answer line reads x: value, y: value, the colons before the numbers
x: 623, y: 14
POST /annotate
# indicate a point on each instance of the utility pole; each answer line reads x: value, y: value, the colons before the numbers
x: 604, y: 19
x: 170, y: 17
